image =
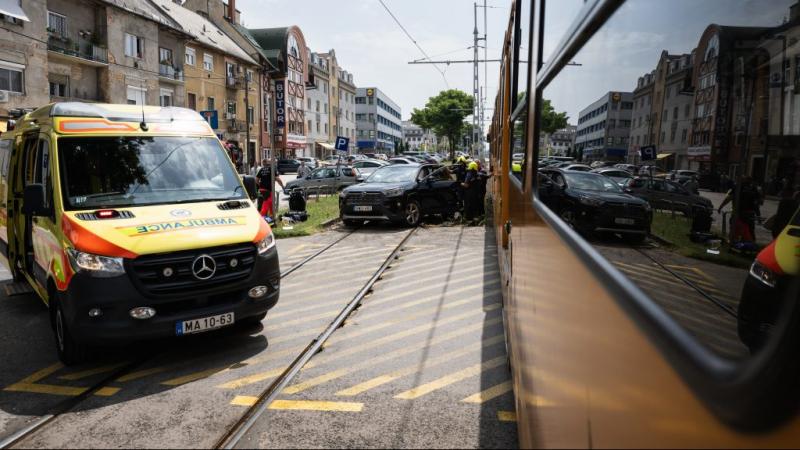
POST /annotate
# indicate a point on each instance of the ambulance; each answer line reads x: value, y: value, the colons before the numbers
x: 131, y: 223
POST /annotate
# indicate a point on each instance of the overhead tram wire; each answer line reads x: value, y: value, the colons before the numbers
x: 415, y: 42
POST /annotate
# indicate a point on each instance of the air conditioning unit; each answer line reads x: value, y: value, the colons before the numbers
x: 3, y: 96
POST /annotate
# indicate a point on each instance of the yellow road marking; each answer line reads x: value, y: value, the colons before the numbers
x: 296, y: 249
x: 644, y: 276
x: 449, y: 379
x: 141, y: 374
x: 193, y: 376
x: 300, y: 405
x: 107, y: 391
x: 90, y: 372
x: 408, y: 370
x: 428, y: 299
x: 51, y: 389
x: 507, y: 416
x: 488, y: 394
x: 41, y: 374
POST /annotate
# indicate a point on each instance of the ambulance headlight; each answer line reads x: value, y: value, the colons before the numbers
x: 267, y: 243
x: 96, y: 265
x: 763, y: 274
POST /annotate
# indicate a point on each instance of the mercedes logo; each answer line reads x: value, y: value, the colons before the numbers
x: 204, y: 267
x: 180, y: 213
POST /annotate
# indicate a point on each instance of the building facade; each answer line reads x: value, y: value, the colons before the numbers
x: 603, y: 129
x: 318, y: 108
x: 343, y: 102
x: 378, y: 122
x: 416, y: 138
x: 562, y: 142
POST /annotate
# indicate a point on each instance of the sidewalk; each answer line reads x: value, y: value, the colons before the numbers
x: 768, y: 209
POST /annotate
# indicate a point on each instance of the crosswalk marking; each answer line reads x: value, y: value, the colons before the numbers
x: 408, y: 370
x: 300, y: 405
x: 489, y: 394
x: 449, y: 379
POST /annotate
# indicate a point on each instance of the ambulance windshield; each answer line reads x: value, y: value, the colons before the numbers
x: 112, y: 172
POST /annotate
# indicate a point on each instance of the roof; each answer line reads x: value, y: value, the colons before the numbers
x: 202, y: 30
x: 272, y: 42
x: 146, y: 10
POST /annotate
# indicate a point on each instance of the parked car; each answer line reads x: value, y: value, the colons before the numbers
x: 381, y: 156
x: 402, y: 161
x: 681, y: 176
x: 310, y: 162
x: 562, y: 165
x: 287, y: 166
x: 578, y: 167
x: 331, y: 178
x: 367, y: 166
x: 620, y: 176
x: 401, y: 193
x: 631, y: 168
x: 651, y: 171
x: 590, y: 202
x: 770, y: 276
x: 665, y: 194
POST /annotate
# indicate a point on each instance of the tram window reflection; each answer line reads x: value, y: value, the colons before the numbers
x: 518, y: 153
x: 687, y: 112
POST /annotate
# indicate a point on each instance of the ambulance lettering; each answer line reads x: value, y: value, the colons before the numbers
x: 160, y: 227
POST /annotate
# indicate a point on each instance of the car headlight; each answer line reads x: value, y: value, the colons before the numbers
x: 763, y: 274
x: 591, y: 201
x: 647, y: 206
x: 393, y: 192
x: 96, y: 265
x: 343, y: 194
x: 267, y: 243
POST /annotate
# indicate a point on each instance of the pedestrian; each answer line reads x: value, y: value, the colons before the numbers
x: 691, y: 185
x: 471, y: 185
x: 303, y: 170
x: 787, y: 206
x: 745, y: 209
x: 265, y: 185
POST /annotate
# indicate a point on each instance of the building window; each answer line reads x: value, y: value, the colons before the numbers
x: 136, y: 95
x: 663, y: 136
x: 249, y: 74
x: 57, y: 23
x: 191, y: 100
x: 326, y: 128
x: 231, y: 107
x: 211, y: 104
x: 309, y: 125
x: 190, y: 57
x: 683, y: 136
x: 208, y: 62
x: 317, y: 105
x: 317, y: 127
x: 672, y: 136
x: 134, y: 46
x: 309, y: 103
x: 675, y: 113
x: 250, y: 115
x: 165, y: 56
x: 11, y: 77
x: 165, y: 97
x: 58, y: 89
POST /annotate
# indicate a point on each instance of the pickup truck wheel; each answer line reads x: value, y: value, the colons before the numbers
x: 70, y: 351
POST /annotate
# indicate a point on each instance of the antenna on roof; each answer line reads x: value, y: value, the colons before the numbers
x: 143, y: 124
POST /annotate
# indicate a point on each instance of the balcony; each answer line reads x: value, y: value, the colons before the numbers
x: 170, y: 74
x: 64, y: 49
x: 234, y: 82
x: 236, y: 125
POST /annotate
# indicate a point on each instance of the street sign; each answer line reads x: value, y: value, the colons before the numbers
x: 211, y: 117
x: 342, y: 143
x: 280, y: 104
x: 648, y: 152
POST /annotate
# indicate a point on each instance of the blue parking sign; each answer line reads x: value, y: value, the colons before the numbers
x: 342, y: 143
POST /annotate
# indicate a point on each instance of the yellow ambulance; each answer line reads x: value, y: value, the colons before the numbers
x: 131, y: 223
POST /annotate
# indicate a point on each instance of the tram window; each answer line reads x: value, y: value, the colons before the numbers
x: 716, y: 275
x: 558, y: 17
x: 522, y: 66
x: 518, y: 148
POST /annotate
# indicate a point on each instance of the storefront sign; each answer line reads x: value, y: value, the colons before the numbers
x: 699, y: 151
x: 280, y: 104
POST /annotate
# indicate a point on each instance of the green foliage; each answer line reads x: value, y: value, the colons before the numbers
x: 319, y: 212
x: 444, y: 114
x: 551, y: 120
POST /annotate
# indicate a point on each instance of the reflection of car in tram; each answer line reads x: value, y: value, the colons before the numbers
x: 663, y: 194
x: 620, y: 176
x: 591, y: 202
x: 770, y: 273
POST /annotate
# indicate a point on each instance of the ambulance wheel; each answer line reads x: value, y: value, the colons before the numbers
x: 70, y: 351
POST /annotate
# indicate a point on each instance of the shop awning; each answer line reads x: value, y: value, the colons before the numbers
x: 663, y: 155
x: 13, y: 9
x: 326, y: 146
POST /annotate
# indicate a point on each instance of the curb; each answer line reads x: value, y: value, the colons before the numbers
x: 329, y: 223
x: 661, y: 240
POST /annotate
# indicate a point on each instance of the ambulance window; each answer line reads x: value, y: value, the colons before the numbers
x: 5, y: 155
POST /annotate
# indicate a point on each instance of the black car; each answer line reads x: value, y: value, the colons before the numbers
x: 403, y: 193
x: 668, y: 195
x: 287, y: 166
x: 590, y: 202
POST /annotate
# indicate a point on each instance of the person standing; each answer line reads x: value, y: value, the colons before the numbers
x: 691, y: 185
x: 303, y: 170
x: 471, y: 186
x: 265, y: 187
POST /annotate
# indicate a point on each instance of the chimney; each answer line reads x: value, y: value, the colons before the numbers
x: 232, y: 11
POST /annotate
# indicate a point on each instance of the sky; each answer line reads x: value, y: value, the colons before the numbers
x: 372, y: 46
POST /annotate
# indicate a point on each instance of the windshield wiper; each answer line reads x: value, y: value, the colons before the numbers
x: 103, y: 194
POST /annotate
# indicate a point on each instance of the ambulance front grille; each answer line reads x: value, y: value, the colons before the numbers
x: 171, y: 273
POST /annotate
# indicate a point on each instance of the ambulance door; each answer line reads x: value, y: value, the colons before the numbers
x: 43, y: 239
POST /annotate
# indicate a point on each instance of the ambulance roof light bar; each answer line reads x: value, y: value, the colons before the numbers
x: 125, y: 113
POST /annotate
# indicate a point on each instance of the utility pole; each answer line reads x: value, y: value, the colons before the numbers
x: 485, y: 70
x: 249, y: 159
x: 476, y: 113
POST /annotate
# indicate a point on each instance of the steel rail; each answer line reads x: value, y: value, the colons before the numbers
x: 235, y: 434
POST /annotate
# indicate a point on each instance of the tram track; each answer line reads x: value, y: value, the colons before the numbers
x: 72, y: 403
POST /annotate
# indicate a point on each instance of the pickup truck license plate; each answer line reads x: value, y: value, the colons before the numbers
x: 362, y: 208
x: 624, y: 221
x: 203, y: 324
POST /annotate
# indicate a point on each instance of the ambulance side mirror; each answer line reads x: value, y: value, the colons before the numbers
x: 33, y: 201
x: 250, y: 186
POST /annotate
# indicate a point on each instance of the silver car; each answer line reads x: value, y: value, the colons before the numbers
x: 325, y: 179
x: 367, y: 166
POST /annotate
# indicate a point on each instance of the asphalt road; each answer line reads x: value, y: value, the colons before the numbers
x: 421, y: 363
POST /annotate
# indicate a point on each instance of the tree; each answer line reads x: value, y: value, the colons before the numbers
x: 551, y: 120
x: 444, y: 114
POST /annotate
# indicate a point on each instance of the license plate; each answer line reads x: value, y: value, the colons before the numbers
x: 362, y: 208
x: 624, y: 221
x: 203, y: 324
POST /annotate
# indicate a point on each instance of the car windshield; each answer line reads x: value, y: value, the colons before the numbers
x: 591, y: 182
x: 111, y: 172
x: 393, y: 174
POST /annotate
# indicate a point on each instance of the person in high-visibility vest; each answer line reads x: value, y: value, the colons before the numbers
x: 516, y: 168
x: 471, y: 189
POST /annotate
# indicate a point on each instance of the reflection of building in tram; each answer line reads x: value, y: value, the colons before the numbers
x: 559, y: 143
x: 604, y: 128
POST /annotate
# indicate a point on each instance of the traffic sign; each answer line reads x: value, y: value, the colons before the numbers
x: 342, y: 143
x: 211, y: 117
x: 648, y: 152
